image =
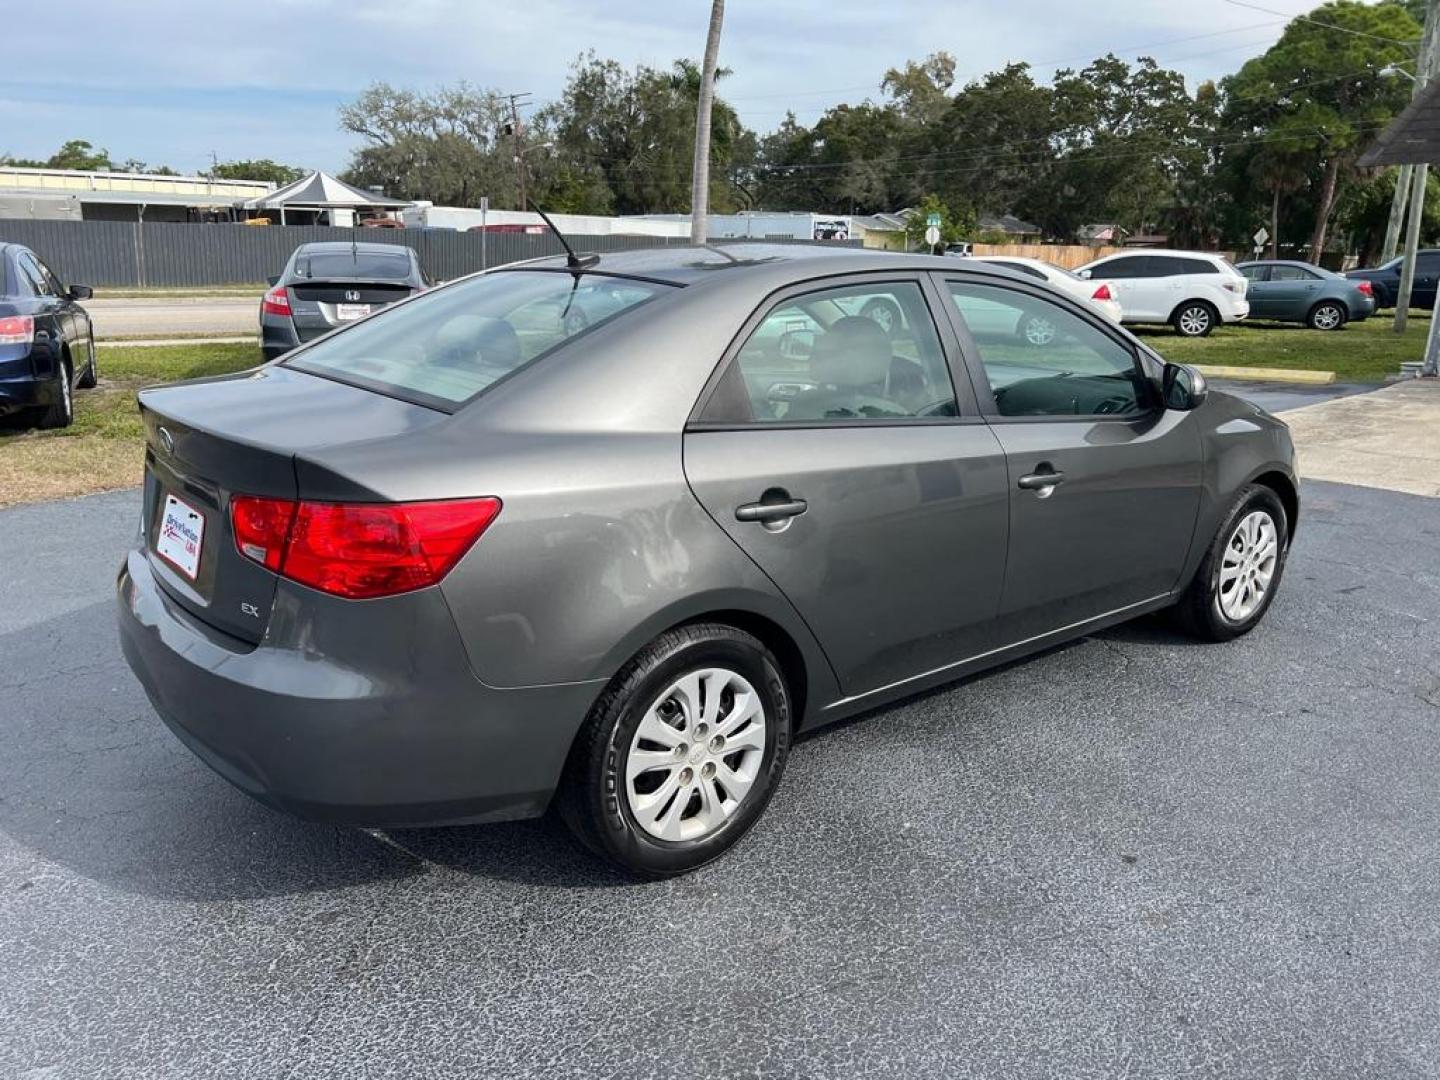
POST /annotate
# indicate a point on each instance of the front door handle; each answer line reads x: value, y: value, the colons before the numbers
x: 771, y: 511
x: 1043, y: 482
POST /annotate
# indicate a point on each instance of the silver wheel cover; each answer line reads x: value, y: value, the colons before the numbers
x: 1327, y: 317
x: 1247, y: 566
x: 1194, y: 320
x: 696, y: 755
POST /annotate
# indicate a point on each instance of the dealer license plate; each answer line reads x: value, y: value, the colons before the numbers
x: 182, y: 530
x: 346, y: 312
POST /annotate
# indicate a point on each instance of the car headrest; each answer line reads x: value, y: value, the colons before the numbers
x: 853, y: 352
x: 477, y: 337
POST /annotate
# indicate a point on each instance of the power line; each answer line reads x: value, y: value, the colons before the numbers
x: 1321, y: 22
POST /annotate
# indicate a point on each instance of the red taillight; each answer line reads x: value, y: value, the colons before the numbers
x: 276, y: 301
x: 1365, y: 287
x: 1103, y: 293
x: 359, y: 550
x: 17, y: 330
x: 261, y: 527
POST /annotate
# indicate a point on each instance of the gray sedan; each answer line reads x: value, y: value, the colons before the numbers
x: 1301, y: 292
x: 472, y: 558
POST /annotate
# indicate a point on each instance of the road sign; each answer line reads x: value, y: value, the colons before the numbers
x: 932, y: 221
x: 932, y: 235
x: 1261, y: 236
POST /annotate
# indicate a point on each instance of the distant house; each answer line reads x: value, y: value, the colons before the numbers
x: 1016, y: 230
x: 1102, y: 234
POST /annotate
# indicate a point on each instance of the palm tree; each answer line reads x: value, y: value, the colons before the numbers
x: 700, y: 185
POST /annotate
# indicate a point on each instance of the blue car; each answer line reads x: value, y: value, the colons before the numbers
x: 1301, y: 292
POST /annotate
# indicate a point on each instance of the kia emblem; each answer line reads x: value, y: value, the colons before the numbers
x: 167, y: 441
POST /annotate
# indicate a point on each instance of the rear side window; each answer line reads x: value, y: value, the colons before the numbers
x: 1292, y: 273
x: 835, y: 356
x: 39, y: 282
x: 1254, y: 273
x: 353, y: 264
x: 444, y: 347
x: 1020, y: 268
x: 1197, y: 266
x: 1130, y: 266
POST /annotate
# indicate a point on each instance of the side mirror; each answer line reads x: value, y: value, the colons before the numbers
x: 273, y: 281
x: 80, y: 292
x: 1182, y: 387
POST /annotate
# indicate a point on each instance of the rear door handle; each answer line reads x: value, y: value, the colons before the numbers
x: 1039, y: 481
x: 771, y: 511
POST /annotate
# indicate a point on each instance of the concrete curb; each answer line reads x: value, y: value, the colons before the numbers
x: 1266, y: 374
x: 150, y: 343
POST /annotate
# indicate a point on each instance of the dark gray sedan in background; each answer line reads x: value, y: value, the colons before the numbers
x: 471, y: 557
x: 330, y: 284
x: 1301, y: 292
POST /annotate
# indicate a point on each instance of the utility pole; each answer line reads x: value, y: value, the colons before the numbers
x: 700, y: 189
x: 517, y: 136
x: 1424, y: 70
x: 1397, y: 211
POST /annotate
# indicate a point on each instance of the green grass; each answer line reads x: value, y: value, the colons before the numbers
x: 104, y: 447
x: 161, y: 292
x: 1367, y: 351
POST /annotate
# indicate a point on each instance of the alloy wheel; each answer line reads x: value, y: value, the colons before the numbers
x: 1247, y: 567
x: 696, y: 754
x: 1194, y: 321
x: 1326, y: 317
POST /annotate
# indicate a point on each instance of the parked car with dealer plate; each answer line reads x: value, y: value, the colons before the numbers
x: 447, y: 571
x: 329, y: 284
x: 47, y: 347
x: 1291, y: 291
x: 1192, y: 291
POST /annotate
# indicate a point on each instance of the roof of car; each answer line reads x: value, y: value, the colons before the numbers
x: 1177, y: 252
x: 1281, y: 262
x: 689, y: 265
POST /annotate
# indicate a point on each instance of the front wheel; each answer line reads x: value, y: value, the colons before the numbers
x: 682, y: 752
x: 1194, y: 319
x: 1241, y: 571
x: 1326, y: 315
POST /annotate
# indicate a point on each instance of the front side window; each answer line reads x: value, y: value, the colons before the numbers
x: 854, y: 353
x: 446, y: 346
x: 1041, y: 359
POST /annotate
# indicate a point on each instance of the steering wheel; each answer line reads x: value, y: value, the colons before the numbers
x: 1113, y: 406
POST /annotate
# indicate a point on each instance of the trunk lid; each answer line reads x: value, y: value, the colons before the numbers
x: 317, y: 307
x: 242, y: 435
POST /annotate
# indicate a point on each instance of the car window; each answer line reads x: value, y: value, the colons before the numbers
x: 1255, y: 273
x: 361, y: 264
x: 841, y: 355
x: 1428, y: 262
x: 1128, y: 266
x: 39, y: 282
x: 1041, y: 359
x: 1196, y: 266
x: 1292, y: 273
x: 446, y: 346
x: 1166, y: 266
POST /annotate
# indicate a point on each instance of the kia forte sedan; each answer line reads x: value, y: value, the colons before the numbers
x: 471, y: 559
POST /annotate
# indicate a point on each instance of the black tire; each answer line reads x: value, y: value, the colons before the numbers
x: 1200, y: 610
x: 1327, y: 315
x: 1195, y: 318
x: 62, y: 413
x: 593, y: 799
x: 91, y: 376
x: 884, y: 314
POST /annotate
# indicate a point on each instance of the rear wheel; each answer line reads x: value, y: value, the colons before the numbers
x: 1194, y: 318
x: 1326, y: 315
x: 61, y: 414
x: 1238, y: 577
x: 681, y: 754
x: 91, y: 375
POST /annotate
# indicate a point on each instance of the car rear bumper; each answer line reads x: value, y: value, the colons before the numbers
x: 1235, y: 311
x: 27, y: 392
x: 398, y: 732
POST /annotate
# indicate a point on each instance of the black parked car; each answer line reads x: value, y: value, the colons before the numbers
x: 46, y: 346
x: 1386, y: 280
x: 329, y: 284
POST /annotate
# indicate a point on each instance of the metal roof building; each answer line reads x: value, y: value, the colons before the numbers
x: 119, y: 196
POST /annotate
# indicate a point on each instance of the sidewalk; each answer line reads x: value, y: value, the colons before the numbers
x: 1387, y: 439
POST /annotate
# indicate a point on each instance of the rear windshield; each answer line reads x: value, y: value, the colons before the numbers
x: 444, y: 347
x: 324, y: 265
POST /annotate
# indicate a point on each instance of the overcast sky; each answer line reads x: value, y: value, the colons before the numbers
x: 170, y: 81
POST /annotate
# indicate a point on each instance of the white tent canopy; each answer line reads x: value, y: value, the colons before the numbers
x: 321, y: 191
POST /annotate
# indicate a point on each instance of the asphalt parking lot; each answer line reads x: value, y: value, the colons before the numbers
x: 1134, y: 855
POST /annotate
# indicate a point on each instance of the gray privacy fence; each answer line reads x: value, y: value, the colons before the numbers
x: 130, y: 255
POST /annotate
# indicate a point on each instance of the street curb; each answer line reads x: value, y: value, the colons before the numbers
x: 1266, y: 374
x: 150, y: 343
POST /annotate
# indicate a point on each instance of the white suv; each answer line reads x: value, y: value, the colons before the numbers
x: 1190, y: 290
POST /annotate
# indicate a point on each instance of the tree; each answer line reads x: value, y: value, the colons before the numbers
x: 440, y: 146
x: 79, y: 154
x: 1319, y: 92
x: 921, y: 92
x: 259, y: 169
x: 700, y: 180
x: 956, y: 223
